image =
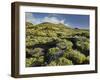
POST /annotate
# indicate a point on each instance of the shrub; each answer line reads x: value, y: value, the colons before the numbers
x: 83, y: 46
x: 87, y: 60
x: 52, y: 63
x: 51, y: 34
x: 52, y: 54
x: 40, y: 33
x: 64, y: 61
x: 61, y: 45
x: 65, y: 44
x: 40, y: 60
x: 82, y: 34
x: 30, y: 61
x: 53, y: 51
x: 34, y: 61
x: 34, y: 52
x: 29, y: 43
x: 37, y: 52
x: 60, y: 62
x: 75, y: 56
x: 85, y: 34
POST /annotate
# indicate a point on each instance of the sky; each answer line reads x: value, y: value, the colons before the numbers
x: 72, y: 20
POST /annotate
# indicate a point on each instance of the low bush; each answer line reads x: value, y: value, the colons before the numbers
x: 75, y: 56
x: 83, y: 46
x: 64, y: 61
x: 37, y: 52
x: 53, y: 51
x: 87, y: 60
x: 52, y: 63
x: 65, y: 44
x: 85, y: 34
x: 30, y: 61
x: 34, y: 61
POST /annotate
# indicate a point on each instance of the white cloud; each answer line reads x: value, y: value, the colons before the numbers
x: 67, y: 24
x: 31, y: 18
x: 53, y: 20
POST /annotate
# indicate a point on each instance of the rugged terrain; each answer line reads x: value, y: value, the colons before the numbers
x: 49, y: 44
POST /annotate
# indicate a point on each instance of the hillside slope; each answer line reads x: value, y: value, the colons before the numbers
x: 49, y: 44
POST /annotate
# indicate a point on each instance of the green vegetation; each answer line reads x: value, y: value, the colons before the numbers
x: 76, y: 56
x: 53, y: 51
x: 49, y: 44
x: 64, y: 61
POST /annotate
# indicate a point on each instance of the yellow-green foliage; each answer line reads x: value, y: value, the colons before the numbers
x: 83, y: 45
x: 87, y: 60
x: 52, y: 63
x: 49, y: 44
x: 53, y: 51
x: 37, y: 52
x: 76, y: 56
x: 65, y: 44
x: 64, y: 61
x: 34, y: 60
x: 30, y: 61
